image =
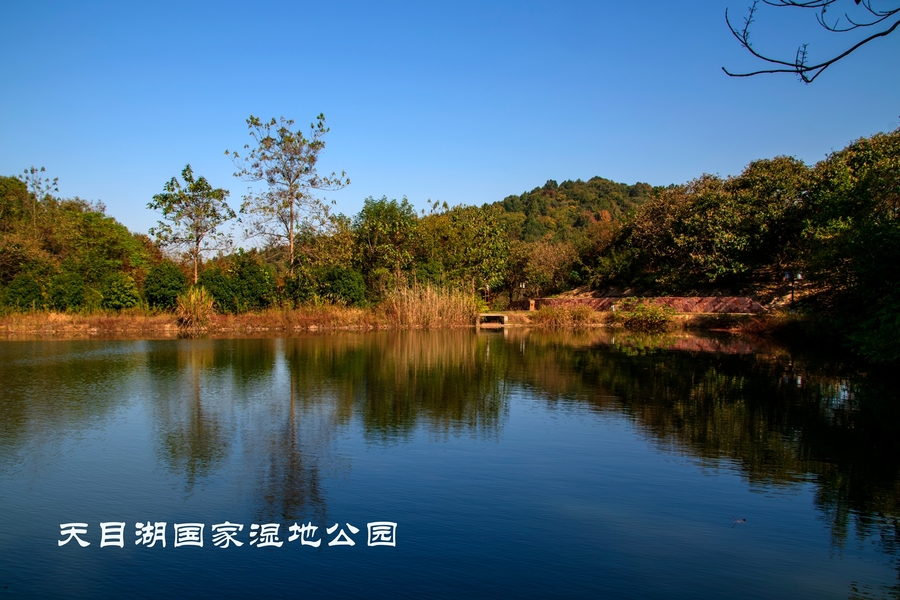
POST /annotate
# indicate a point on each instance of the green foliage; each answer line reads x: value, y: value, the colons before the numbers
x: 300, y: 287
x: 66, y: 291
x: 164, y: 283
x: 641, y: 314
x: 563, y: 211
x: 545, y: 267
x: 192, y: 215
x: 712, y: 230
x: 24, y: 293
x: 342, y: 285
x: 854, y: 243
x: 247, y: 285
x: 13, y: 202
x: 120, y: 291
x: 383, y: 232
x: 469, y: 243
x: 252, y: 282
x: 218, y: 284
x: 43, y: 235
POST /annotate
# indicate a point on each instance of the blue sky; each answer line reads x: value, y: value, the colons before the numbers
x: 463, y: 102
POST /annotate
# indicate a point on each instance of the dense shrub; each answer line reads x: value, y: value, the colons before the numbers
x: 248, y: 284
x: 252, y: 282
x: 24, y: 293
x: 300, y: 287
x: 642, y: 315
x: 66, y: 291
x: 218, y: 284
x: 342, y: 285
x: 164, y: 283
x: 120, y: 291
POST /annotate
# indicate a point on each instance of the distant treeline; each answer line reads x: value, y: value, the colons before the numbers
x: 831, y: 231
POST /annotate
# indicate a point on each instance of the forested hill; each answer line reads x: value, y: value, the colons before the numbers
x: 563, y: 210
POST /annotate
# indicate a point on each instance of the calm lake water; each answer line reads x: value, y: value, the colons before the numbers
x: 515, y: 464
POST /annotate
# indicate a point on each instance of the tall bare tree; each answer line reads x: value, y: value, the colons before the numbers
x: 39, y: 189
x: 286, y: 161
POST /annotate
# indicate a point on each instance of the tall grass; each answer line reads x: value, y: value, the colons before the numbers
x: 562, y: 317
x: 194, y: 308
x: 428, y: 307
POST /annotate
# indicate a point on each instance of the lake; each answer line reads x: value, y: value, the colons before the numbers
x: 443, y: 465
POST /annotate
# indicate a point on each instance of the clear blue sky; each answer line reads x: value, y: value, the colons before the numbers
x: 463, y: 102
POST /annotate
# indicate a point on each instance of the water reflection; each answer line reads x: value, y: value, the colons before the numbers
x: 268, y: 412
x: 783, y: 421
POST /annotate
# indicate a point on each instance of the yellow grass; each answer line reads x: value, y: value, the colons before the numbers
x: 562, y: 317
x: 428, y: 307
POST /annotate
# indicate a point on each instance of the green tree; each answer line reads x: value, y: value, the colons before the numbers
x: 192, y: 214
x: 120, y: 291
x: 343, y: 285
x: 218, y: 284
x: 854, y: 243
x: 164, y: 283
x: 475, y: 246
x: 14, y: 200
x: 286, y: 161
x: 252, y: 282
x: 24, y: 293
x: 66, y: 291
x: 383, y: 233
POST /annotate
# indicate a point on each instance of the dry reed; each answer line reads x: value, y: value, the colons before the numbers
x: 194, y: 308
x: 552, y: 317
x: 428, y: 307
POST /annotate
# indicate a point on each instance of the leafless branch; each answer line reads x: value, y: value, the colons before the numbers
x: 887, y: 18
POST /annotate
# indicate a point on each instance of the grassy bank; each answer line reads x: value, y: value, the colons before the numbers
x: 415, y: 308
x: 419, y: 307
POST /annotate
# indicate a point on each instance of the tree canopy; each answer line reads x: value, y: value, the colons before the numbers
x: 192, y: 214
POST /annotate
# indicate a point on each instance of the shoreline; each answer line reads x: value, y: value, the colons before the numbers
x: 52, y: 325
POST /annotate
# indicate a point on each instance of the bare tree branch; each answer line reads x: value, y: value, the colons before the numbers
x: 870, y: 17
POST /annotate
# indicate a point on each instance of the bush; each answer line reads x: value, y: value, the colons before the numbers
x: 194, y: 308
x: 342, y: 285
x: 164, y: 283
x: 120, y: 291
x: 67, y: 291
x: 300, y: 287
x: 252, y: 283
x: 641, y: 314
x: 24, y: 293
x: 218, y: 285
x: 249, y: 284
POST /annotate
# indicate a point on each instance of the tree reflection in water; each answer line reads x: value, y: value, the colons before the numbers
x: 270, y: 410
x: 782, y: 420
